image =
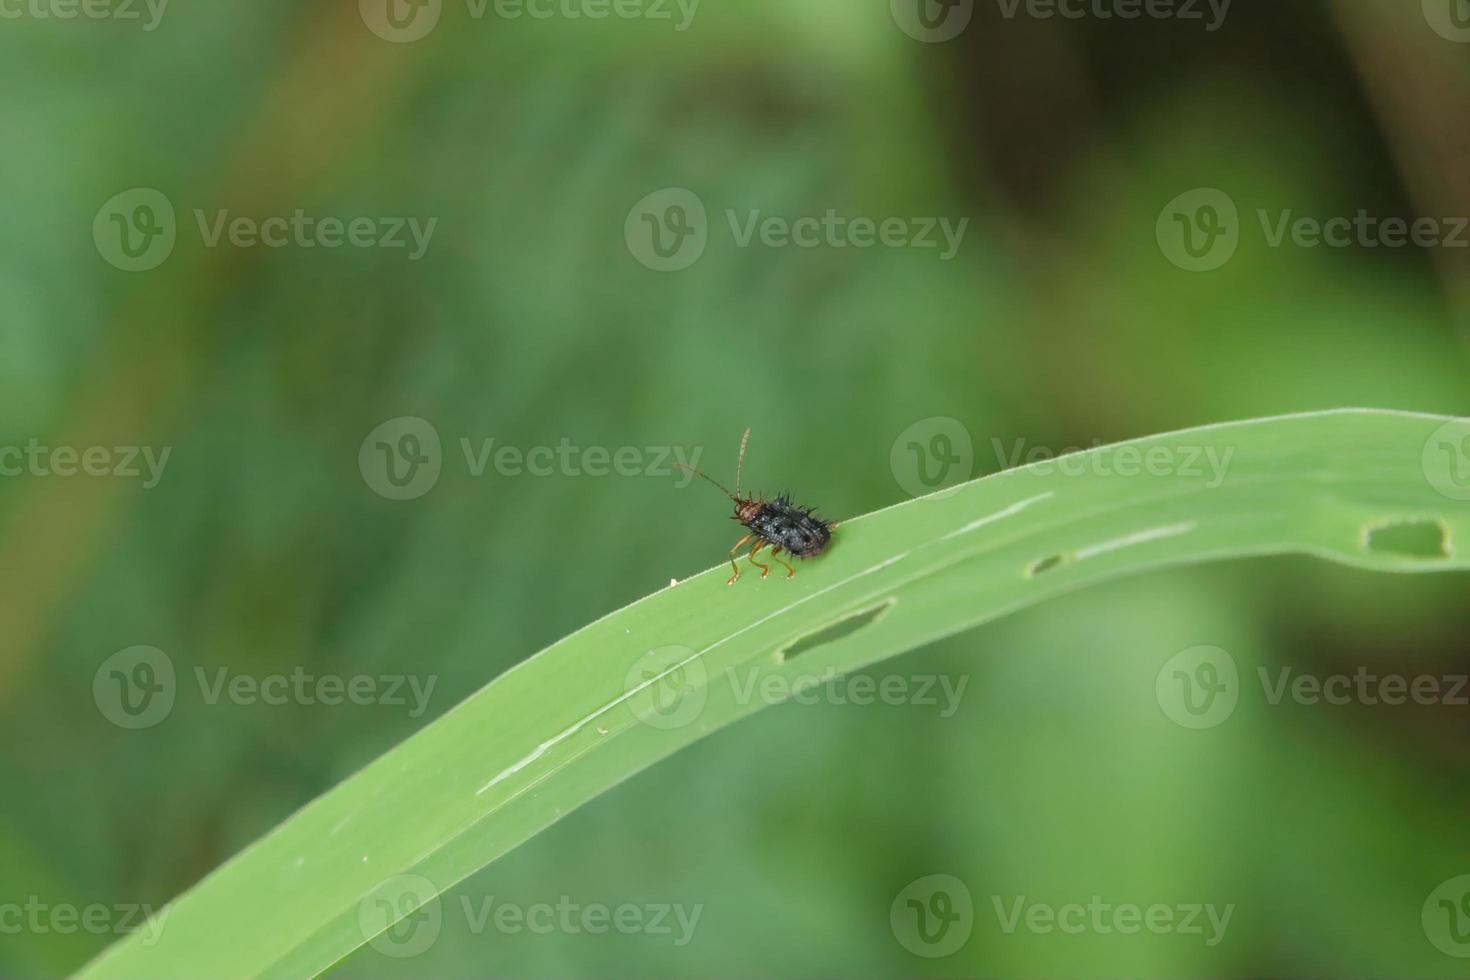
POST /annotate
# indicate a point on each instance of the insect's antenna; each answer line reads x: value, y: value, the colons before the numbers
x: 740, y: 460
x: 684, y: 466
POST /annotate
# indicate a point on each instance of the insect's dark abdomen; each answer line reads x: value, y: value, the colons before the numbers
x: 791, y: 528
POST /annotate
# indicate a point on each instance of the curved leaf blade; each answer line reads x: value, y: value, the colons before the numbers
x: 622, y: 693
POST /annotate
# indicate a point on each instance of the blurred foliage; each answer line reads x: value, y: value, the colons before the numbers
x: 528, y: 321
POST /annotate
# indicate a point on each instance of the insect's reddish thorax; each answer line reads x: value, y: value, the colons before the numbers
x: 746, y: 509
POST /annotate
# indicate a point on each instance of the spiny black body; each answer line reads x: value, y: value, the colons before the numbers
x: 779, y: 523
x: 784, y: 525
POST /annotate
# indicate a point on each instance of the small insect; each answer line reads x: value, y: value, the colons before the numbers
x: 785, y: 526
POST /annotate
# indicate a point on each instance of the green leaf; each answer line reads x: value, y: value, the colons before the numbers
x: 1375, y: 489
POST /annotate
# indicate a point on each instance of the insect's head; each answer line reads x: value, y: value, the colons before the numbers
x: 746, y: 509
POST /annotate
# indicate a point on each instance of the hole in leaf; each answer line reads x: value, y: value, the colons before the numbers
x: 1410, y: 539
x: 843, y: 628
x: 1045, y: 565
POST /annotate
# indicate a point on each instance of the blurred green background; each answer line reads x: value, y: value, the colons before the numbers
x: 533, y: 317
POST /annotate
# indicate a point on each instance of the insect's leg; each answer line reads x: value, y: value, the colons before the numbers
x: 765, y: 569
x: 734, y: 567
x: 776, y: 554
